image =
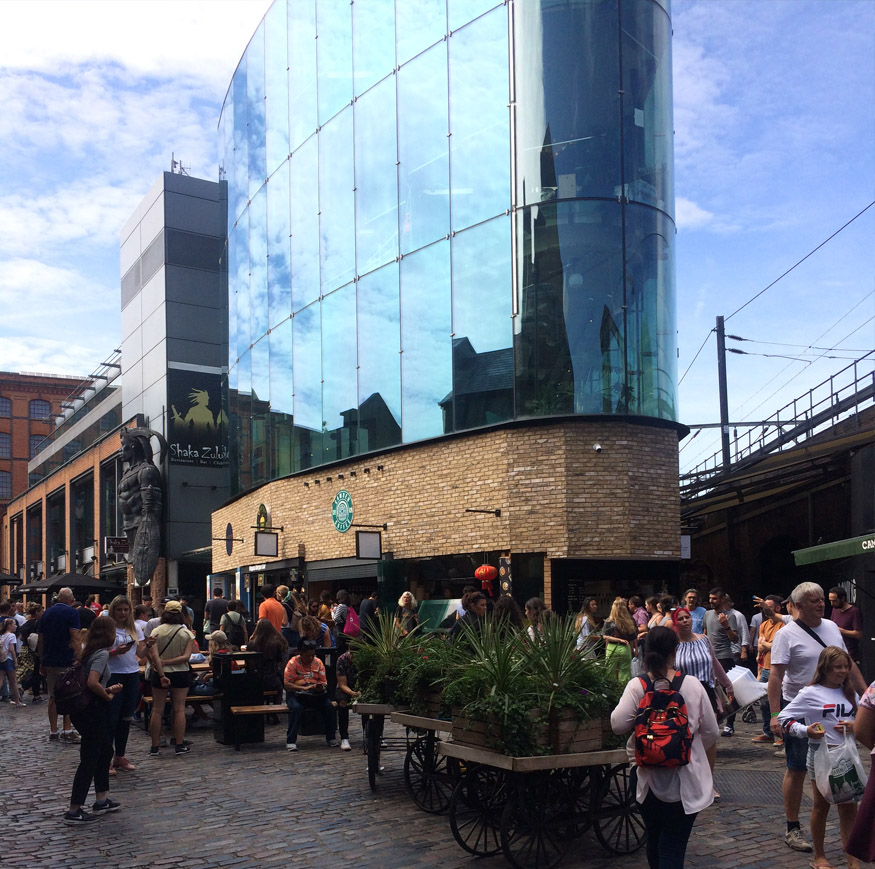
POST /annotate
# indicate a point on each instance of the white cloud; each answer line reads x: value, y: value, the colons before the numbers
x: 689, y: 215
x: 57, y: 293
x: 47, y: 356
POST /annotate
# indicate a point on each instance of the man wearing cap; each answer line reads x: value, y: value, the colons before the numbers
x: 305, y: 683
x: 795, y: 651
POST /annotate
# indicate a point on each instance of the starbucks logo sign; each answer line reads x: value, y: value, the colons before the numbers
x: 341, y: 511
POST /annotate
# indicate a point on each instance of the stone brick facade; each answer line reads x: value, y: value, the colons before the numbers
x: 557, y: 496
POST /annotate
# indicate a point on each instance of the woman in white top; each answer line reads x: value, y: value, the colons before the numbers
x: 130, y: 643
x: 588, y: 625
x: 670, y: 798
x: 824, y: 711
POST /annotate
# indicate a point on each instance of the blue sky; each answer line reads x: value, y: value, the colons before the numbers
x: 774, y: 152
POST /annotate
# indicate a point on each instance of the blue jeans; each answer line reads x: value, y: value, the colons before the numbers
x: 668, y: 831
x: 764, y: 704
x: 296, y: 704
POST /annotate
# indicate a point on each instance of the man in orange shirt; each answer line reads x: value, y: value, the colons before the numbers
x: 772, y: 622
x: 271, y: 609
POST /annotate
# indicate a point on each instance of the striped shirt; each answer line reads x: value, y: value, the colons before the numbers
x: 694, y: 659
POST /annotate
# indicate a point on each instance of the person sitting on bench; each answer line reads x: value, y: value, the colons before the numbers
x: 305, y: 683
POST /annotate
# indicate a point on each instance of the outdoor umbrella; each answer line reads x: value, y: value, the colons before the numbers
x: 9, y: 579
x: 76, y: 581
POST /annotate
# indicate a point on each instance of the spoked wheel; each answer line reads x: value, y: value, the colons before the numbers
x: 578, y: 784
x: 535, y: 822
x: 372, y: 744
x: 429, y: 776
x: 475, y: 810
x: 616, y: 817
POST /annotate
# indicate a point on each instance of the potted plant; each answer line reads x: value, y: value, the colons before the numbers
x: 381, y: 654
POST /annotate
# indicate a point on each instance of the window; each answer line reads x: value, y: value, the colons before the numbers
x: 5, y: 406
x: 5, y: 442
x: 5, y: 484
x: 40, y: 409
x: 35, y: 441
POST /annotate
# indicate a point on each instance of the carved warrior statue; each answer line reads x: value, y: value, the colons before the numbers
x: 140, y: 499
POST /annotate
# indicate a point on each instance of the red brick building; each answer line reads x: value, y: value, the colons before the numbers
x: 28, y: 406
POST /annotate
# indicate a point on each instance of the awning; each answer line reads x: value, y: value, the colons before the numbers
x: 864, y: 545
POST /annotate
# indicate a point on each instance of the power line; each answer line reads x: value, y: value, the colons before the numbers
x: 782, y: 344
x: 696, y: 356
x: 799, y: 358
x: 753, y: 298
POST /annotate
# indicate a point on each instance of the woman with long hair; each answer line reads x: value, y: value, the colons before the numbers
x: 620, y: 634
x: 129, y: 645
x: 588, y: 624
x: 313, y: 629
x: 830, y: 704
x: 406, y: 618
x: 9, y: 665
x: 536, y: 613
x: 507, y: 614
x: 475, y: 604
x: 173, y: 646
x: 651, y: 604
x: 670, y: 797
x: 95, y: 748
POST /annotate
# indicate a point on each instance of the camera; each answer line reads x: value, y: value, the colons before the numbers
x: 597, y: 447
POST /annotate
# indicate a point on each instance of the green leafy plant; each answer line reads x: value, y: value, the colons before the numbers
x: 381, y: 654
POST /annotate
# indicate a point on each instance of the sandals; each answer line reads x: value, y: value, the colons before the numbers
x: 815, y: 865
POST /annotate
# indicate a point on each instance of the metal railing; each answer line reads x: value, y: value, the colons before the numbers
x: 839, y: 396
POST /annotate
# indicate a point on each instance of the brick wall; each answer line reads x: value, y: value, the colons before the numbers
x: 556, y: 494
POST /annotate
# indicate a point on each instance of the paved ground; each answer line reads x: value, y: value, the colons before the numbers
x: 264, y: 807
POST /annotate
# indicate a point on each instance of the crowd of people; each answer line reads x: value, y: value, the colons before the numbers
x: 816, y: 697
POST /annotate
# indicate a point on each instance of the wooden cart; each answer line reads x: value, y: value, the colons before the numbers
x: 429, y: 776
x: 531, y: 808
x: 373, y: 717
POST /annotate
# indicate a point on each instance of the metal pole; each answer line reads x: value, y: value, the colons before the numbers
x: 724, y: 400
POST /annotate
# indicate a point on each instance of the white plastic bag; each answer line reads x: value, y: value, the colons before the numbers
x: 839, y: 773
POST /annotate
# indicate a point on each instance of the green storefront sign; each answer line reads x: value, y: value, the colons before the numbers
x: 341, y: 511
x: 864, y: 545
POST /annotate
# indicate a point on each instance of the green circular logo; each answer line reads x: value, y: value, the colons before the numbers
x: 341, y: 511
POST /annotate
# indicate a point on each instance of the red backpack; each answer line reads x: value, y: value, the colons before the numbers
x: 662, y: 726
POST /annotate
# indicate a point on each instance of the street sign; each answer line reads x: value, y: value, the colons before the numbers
x: 116, y: 545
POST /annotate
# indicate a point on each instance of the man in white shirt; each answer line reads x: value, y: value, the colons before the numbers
x: 795, y: 651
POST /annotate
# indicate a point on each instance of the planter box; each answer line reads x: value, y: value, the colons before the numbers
x: 564, y: 733
x: 429, y: 703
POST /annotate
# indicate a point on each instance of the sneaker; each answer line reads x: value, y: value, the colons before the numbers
x: 796, y: 840
x: 182, y: 749
x: 333, y: 743
x: 778, y: 743
x: 780, y: 752
x: 291, y: 746
x: 38, y: 699
x: 71, y: 737
x: 184, y: 741
x: 762, y: 739
x: 105, y: 806
x: 728, y: 731
x: 54, y: 737
x: 73, y: 819
x: 20, y: 705
x: 383, y: 743
x: 344, y: 745
x: 123, y: 764
x: 154, y: 751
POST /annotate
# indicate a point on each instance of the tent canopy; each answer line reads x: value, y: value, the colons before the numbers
x: 76, y: 581
x: 864, y: 545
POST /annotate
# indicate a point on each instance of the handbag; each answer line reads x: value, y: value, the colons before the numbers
x: 838, y: 771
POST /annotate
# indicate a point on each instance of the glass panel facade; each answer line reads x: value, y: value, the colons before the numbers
x: 425, y: 260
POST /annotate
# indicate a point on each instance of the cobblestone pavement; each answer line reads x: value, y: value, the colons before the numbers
x: 264, y: 807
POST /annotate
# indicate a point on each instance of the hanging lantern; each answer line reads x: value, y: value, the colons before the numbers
x: 486, y: 573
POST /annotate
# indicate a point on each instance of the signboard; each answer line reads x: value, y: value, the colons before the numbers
x: 116, y: 545
x: 197, y: 425
x: 341, y: 511
x: 686, y: 551
x: 368, y: 544
x: 864, y: 545
x: 266, y: 544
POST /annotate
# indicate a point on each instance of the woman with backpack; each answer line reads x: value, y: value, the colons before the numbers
x: 95, y: 749
x: 674, y: 780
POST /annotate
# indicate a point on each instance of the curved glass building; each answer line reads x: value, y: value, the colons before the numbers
x: 446, y: 215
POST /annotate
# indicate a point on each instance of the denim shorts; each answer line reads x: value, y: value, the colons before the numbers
x: 812, y: 750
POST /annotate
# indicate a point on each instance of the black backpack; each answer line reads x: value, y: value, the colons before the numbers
x: 235, y: 634
x: 72, y: 693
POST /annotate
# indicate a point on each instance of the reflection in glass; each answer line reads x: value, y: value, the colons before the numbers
x: 336, y: 204
x: 423, y: 173
x: 339, y: 362
x: 462, y: 11
x: 305, y: 225
x: 260, y: 411
x: 419, y: 25
x: 333, y: 56
x: 241, y: 420
x: 255, y: 110
x: 240, y: 278
x: 482, y: 327
x: 240, y: 191
x: 307, y: 368
x: 426, y: 343
x: 302, y: 72
x: 373, y: 42
x: 276, y: 104
x: 479, y: 120
x: 257, y: 213
x: 379, y: 376
x: 376, y: 178
x: 279, y: 246
x: 567, y: 102
x: 281, y: 401
x: 229, y: 264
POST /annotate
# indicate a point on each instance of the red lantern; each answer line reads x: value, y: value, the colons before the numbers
x: 486, y: 573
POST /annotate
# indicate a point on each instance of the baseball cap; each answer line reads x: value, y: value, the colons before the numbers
x: 173, y: 606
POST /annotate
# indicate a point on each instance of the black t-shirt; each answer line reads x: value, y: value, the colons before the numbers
x: 86, y: 617
x: 215, y: 609
x: 367, y: 612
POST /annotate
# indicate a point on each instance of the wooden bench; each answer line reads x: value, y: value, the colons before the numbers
x: 190, y: 700
x: 261, y: 710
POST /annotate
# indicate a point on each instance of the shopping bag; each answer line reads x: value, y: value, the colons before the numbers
x: 838, y: 771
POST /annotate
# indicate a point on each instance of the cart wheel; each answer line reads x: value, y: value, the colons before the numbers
x: 616, y: 817
x: 534, y: 823
x: 372, y: 744
x: 578, y: 784
x: 428, y: 775
x: 475, y: 810
x: 749, y: 716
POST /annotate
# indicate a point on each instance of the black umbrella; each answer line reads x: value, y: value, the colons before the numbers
x: 76, y: 581
x: 9, y: 579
